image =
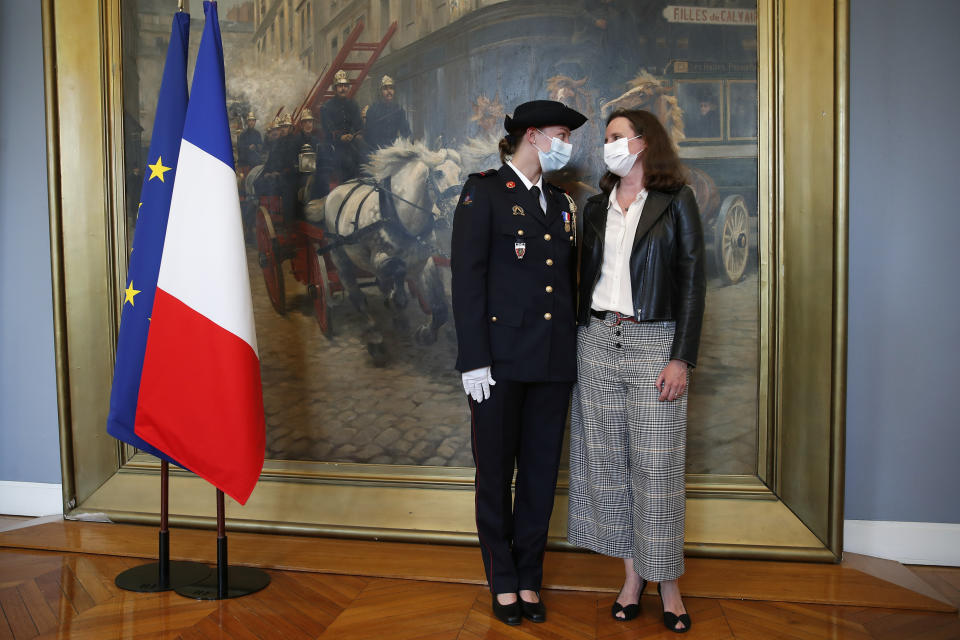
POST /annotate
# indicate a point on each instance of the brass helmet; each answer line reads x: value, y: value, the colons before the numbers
x: 340, y: 77
x: 386, y: 81
x: 251, y: 116
x: 306, y: 114
x: 286, y: 120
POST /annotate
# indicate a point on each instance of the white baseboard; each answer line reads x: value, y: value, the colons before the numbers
x: 30, y: 498
x: 931, y: 543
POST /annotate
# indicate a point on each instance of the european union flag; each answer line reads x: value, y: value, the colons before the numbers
x: 148, y: 239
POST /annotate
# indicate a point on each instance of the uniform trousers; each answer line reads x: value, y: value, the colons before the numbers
x: 521, y: 424
x: 627, y: 449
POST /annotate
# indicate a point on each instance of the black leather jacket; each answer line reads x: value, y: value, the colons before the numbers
x: 666, y: 265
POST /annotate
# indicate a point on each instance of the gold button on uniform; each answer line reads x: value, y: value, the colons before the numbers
x: 547, y: 237
x: 493, y: 319
x: 549, y: 289
x: 549, y: 262
x: 547, y: 316
x: 519, y: 232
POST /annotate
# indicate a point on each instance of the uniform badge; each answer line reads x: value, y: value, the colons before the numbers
x: 566, y: 220
x: 517, y: 210
x: 520, y: 248
x: 467, y: 200
x: 511, y: 184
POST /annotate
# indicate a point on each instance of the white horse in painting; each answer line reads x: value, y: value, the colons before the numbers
x: 387, y: 224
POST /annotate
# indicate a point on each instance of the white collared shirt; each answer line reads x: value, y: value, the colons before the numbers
x: 614, y: 291
x: 526, y: 183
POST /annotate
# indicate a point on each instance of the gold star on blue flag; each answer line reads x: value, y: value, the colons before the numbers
x: 157, y: 169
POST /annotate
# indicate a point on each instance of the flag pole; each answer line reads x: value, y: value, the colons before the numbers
x: 164, y: 556
x: 162, y: 575
x: 226, y: 582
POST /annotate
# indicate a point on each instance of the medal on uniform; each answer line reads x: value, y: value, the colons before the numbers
x: 520, y: 248
x: 517, y: 210
x: 570, y: 219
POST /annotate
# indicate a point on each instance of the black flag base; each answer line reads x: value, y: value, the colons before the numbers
x: 162, y: 575
x: 226, y: 582
x: 148, y: 578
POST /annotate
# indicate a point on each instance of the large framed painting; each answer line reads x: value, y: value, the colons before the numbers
x: 355, y: 124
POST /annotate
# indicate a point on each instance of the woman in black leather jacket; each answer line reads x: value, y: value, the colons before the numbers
x: 640, y: 309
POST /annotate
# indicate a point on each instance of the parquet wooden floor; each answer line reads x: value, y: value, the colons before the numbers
x: 46, y: 594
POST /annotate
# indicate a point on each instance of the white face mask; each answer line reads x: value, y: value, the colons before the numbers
x: 617, y: 156
x: 557, y: 157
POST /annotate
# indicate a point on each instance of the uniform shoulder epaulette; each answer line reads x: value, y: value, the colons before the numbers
x: 484, y: 174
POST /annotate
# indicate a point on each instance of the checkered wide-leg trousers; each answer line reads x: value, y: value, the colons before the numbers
x: 627, y: 449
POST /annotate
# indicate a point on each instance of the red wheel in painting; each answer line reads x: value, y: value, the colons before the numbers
x: 270, y: 263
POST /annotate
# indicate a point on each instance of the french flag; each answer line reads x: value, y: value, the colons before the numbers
x: 200, y: 397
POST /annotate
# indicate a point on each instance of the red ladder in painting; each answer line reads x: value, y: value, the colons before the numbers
x: 321, y: 91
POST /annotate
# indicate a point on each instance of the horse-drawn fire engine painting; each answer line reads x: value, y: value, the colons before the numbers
x: 381, y: 230
x: 350, y: 263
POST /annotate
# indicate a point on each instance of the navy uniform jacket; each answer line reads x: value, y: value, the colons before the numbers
x: 283, y: 154
x: 340, y: 116
x: 386, y: 121
x: 516, y: 314
x: 246, y: 139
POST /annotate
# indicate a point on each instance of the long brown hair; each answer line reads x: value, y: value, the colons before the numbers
x: 662, y: 170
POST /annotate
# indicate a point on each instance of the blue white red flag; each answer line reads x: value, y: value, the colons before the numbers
x: 201, y: 399
x: 148, y: 238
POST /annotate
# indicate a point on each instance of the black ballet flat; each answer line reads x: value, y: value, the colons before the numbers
x: 630, y: 611
x: 670, y: 620
x: 507, y: 613
x: 533, y: 611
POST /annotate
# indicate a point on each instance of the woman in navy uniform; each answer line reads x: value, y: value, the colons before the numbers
x: 514, y: 268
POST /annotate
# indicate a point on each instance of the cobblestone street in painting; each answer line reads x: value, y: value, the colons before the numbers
x: 325, y: 400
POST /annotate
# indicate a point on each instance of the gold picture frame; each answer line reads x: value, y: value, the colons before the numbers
x: 790, y: 509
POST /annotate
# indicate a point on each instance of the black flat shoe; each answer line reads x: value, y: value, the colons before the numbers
x: 507, y: 613
x: 630, y: 611
x: 670, y: 620
x: 533, y: 611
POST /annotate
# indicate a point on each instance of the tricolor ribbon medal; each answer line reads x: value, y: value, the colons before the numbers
x: 520, y: 248
x: 566, y: 220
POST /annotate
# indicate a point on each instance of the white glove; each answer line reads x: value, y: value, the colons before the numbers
x: 477, y: 383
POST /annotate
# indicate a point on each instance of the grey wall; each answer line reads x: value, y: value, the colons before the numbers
x: 903, y: 407
x: 29, y: 439
x: 904, y: 315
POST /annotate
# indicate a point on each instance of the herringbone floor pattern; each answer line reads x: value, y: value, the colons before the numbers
x: 70, y: 595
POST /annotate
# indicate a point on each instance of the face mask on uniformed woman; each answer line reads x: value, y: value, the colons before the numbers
x: 617, y: 156
x: 558, y: 156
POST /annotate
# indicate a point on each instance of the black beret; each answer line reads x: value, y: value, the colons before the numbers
x: 543, y: 113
